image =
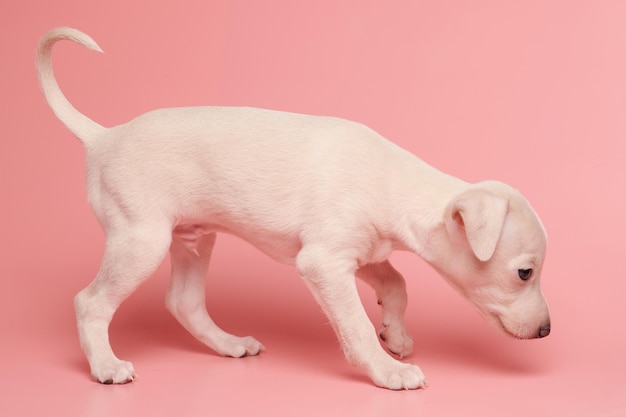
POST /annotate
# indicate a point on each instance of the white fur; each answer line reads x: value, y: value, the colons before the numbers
x: 328, y: 195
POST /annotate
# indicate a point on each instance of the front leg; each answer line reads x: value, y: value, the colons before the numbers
x: 391, y: 292
x: 331, y: 280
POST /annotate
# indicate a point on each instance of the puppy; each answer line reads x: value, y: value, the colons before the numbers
x: 330, y: 196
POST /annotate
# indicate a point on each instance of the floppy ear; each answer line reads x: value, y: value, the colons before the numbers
x: 480, y: 214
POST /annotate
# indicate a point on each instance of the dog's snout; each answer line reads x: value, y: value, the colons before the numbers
x: 544, y: 330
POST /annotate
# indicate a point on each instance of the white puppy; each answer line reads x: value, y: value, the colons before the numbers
x: 328, y: 195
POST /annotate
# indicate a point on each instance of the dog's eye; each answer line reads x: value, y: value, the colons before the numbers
x: 524, y: 274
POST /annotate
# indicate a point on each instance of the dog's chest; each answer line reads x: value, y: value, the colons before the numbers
x: 380, y: 251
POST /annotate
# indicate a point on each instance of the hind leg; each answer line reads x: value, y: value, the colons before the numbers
x: 132, y: 254
x: 186, y: 300
x: 391, y: 292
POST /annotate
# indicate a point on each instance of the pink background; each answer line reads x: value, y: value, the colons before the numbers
x: 531, y: 92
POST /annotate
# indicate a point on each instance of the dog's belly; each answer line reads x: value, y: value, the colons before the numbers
x: 281, y: 247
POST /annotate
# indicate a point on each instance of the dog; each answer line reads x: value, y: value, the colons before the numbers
x: 330, y: 196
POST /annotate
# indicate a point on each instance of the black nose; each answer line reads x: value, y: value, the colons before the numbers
x: 544, y: 330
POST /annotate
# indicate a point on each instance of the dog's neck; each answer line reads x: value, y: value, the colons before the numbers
x: 417, y: 217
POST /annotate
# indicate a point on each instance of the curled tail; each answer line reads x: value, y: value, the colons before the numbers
x: 80, y: 125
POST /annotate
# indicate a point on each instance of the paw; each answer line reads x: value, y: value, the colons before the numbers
x: 397, y: 375
x: 397, y: 340
x: 239, y: 347
x: 114, y: 372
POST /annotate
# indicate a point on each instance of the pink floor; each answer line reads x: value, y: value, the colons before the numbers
x: 532, y: 93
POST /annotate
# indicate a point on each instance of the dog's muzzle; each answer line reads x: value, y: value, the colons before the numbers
x: 544, y: 330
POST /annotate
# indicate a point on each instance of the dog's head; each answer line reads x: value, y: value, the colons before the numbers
x: 495, y: 251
